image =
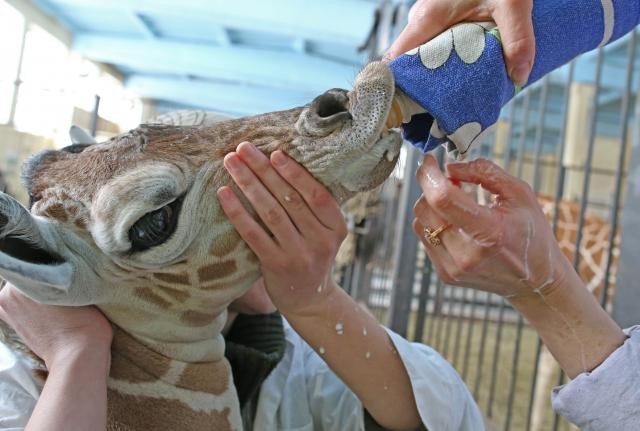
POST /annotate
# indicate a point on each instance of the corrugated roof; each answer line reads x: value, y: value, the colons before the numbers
x: 240, y: 56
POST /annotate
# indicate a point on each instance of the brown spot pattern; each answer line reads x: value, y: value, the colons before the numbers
x: 196, y: 318
x: 57, y: 211
x: 211, y: 377
x: 244, y: 278
x: 223, y: 244
x: 182, y: 278
x: 81, y: 223
x: 130, y: 412
x: 178, y: 295
x: 146, y: 294
x: 217, y: 270
x: 135, y: 352
x: 124, y: 370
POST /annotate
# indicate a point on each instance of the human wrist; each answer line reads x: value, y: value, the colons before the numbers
x: 78, y: 352
x: 315, y: 304
x: 567, y: 316
x: 562, y: 278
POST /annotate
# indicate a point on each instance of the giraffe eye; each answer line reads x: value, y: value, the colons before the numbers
x: 155, y: 227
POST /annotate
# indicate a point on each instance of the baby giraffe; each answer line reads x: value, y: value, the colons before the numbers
x: 133, y: 226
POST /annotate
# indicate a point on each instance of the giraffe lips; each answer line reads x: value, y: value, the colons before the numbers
x: 394, y: 121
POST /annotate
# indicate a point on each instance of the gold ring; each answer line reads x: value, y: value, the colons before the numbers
x: 432, y: 235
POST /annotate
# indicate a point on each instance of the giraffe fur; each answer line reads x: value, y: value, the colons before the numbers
x: 85, y: 239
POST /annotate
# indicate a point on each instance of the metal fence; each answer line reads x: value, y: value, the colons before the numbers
x: 569, y: 137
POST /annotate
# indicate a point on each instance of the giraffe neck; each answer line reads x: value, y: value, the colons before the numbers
x: 168, y: 335
x: 148, y: 390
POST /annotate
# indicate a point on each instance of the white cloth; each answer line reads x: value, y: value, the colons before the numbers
x: 607, y: 398
x: 301, y: 393
x: 18, y: 389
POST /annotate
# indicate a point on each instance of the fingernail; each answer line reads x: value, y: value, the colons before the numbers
x: 520, y: 74
x: 242, y: 144
x: 252, y: 149
x: 455, y: 182
x: 278, y: 158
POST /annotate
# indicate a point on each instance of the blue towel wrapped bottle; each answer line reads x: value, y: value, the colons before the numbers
x: 460, y: 77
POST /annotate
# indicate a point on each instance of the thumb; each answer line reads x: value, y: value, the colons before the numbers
x: 426, y: 21
x: 411, y: 37
x: 518, y: 40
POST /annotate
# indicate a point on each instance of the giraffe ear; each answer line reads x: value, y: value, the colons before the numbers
x: 27, y: 259
x: 80, y: 136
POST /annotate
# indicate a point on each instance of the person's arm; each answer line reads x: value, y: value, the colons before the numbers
x: 75, y: 394
x: 429, y: 18
x: 360, y: 352
x: 307, y: 228
x: 510, y: 249
x: 75, y: 346
x: 572, y: 324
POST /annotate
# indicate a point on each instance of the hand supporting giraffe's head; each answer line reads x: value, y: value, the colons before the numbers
x: 133, y: 224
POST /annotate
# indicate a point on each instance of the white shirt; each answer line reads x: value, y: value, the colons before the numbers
x: 607, y: 398
x: 19, y: 390
x: 301, y: 393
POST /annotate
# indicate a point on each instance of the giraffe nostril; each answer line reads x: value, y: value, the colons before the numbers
x: 331, y: 103
x: 329, y: 106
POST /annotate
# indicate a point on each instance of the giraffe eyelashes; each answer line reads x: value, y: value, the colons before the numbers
x: 155, y: 227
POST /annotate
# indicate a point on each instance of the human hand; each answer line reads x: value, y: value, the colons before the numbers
x: 508, y: 249
x: 305, y: 222
x: 429, y: 18
x: 55, y: 333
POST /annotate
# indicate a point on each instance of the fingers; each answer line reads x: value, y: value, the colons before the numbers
x: 431, y: 220
x: 250, y: 231
x: 426, y: 21
x: 463, y: 252
x: 438, y: 256
x: 450, y: 239
x: 318, y: 199
x: 490, y: 176
x: 268, y: 208
x: 295, y: 206
x: 513, y: 18
x: 451, y: 203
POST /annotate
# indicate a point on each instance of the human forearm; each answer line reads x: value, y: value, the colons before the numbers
x: 305, y: 228
x: 360, y: 352
x: 510, y: 249
x: 577, y: 331
x: 75, y: 394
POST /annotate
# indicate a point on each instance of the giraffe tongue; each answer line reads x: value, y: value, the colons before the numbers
x: 402, y: 109
x: 394, y: 119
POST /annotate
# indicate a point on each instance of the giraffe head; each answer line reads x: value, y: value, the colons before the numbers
x: 133, y: 224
